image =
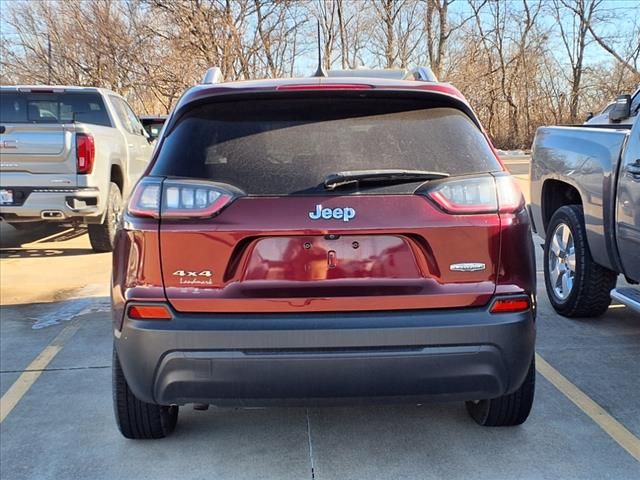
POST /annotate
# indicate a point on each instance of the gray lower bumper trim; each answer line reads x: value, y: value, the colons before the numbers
x: 453, y: 354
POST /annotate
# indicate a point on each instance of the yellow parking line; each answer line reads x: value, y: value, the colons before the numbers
x: 27, y: 378
x: 614, y: 429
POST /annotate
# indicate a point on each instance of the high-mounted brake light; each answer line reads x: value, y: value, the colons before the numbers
x: 477, y: 195
x: 85, y: 153
x: 325, y: 86
x: 178, y: 199
x: 149, y: 312
x: 510, y: 305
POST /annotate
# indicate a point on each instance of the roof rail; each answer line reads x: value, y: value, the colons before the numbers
x: 213, y: 75
x: 422, y: 74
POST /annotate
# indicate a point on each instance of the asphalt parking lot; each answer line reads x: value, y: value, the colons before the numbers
x: 57, y: 421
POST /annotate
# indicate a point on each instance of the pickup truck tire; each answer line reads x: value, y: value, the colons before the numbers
x: 102, y: 235
x: 588, y: 295
x: 508, y: 410
x: 137, y: 419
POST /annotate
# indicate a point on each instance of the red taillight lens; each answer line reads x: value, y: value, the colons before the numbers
x: 149, y: 312
x: 85, y: 153
x: 178, y: 199
x: 476, y: 195
x: 510, y: 305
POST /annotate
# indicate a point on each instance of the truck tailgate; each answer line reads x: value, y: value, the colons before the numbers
x: 37, y: 148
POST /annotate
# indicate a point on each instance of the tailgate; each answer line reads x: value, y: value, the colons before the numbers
x: 267, y: 255
x: 43, y: 148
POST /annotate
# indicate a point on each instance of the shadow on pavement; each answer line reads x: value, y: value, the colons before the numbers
x: 42, y: 252
x: 11, y: 238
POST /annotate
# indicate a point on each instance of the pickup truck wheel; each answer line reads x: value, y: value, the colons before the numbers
x: 102, y: 235
x: 508, y: 410
x: 576, y: 285
x: 137, y: 419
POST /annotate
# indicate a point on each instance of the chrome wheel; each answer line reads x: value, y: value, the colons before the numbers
x: 562, y: 261
x: 114, y: 215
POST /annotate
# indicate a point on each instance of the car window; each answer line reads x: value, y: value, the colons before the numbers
x: 133, y: 119
x: 28, y: 107
x: 153, y: 128
x: 121, y: 112
x: 274, y: 147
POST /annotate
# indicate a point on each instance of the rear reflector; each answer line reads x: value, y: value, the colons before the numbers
x: 510, y: 305
x: 149, y: 312
x: 85, y: 153
x: 179, y: 198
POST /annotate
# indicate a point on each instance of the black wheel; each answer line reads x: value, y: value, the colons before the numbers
x: 508, y: 410
x: 102, y: 235
x: 576, y: 285
x: 137, y: 419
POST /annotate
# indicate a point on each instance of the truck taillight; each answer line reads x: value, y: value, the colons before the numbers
x: 476, y: 195
x: 179, y: 198
x: 85, y: 153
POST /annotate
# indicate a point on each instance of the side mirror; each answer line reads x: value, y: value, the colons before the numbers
x: 621, y: 109
x: 589, y: 116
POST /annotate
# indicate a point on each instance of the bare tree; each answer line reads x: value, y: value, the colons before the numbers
x: 575, y: 40
x: 520, y: 63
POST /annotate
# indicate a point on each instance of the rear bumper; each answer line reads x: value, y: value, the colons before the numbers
x: 233, y: 359
x: 54, y: 204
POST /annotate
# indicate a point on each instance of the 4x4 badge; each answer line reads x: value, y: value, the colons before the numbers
x: 345, y: 214
x: 194, y: 278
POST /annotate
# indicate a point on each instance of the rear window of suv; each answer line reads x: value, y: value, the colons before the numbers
x: 27, y: 107
x: 279, y: 147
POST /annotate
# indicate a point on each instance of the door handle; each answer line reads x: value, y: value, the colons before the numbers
x: 634, y: 168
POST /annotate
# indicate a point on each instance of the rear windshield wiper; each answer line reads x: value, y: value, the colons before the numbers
x: 338, y: 179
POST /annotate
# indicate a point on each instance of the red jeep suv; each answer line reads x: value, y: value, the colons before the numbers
x: 322, y: 240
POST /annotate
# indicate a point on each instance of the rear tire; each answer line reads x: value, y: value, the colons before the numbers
x: 136, y: 419
x: 508, y: 410
x: 590, y: 283
x: 102, y: 235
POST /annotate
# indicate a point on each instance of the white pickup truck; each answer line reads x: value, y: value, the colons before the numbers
x: 68, y: 154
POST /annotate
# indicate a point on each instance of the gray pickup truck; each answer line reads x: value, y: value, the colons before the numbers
x: 68, y: 154
x: 585, y: 203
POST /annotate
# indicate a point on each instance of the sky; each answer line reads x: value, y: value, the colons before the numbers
x: 629, y: 11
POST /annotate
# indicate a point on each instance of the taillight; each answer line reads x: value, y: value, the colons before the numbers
x: 475, y: 195
x: 85, y: 153
x: 179, y: 198
x: 510, y: 305
x: 510, y: 198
